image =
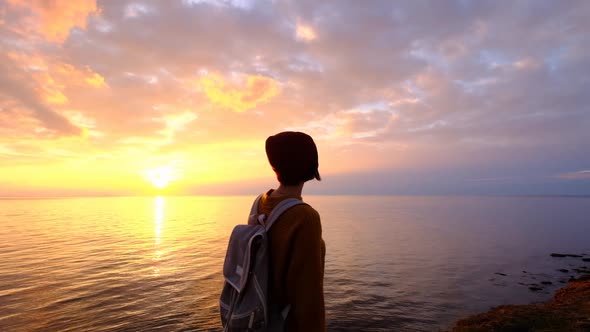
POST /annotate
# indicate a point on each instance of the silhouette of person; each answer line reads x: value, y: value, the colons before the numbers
x: 297, y: 250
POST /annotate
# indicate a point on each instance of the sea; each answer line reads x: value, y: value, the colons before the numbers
x: 393, y: 263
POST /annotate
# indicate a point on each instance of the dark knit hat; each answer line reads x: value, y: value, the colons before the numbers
x: 293, y: 156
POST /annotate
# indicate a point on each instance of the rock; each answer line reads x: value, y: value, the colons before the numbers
x: 569, y: 310
x: 584, y: 325
x: 565, y: 255
x: 500, y: 274
x: 546, y: 283
x: 586, y: 259
x: 534, y: 288
x: 563, y: 270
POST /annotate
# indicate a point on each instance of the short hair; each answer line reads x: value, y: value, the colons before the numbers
x: 293, y: 156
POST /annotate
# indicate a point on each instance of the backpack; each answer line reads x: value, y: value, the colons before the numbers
x: 244, y: 301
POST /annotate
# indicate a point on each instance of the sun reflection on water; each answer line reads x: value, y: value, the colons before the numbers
x: 159, y: 203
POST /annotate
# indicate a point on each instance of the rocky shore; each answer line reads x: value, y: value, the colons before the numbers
x: 568, y: 310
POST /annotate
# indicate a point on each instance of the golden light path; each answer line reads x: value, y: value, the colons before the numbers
x: 158, y: 221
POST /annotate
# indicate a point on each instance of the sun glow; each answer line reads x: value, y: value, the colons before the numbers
x: 160, y: 177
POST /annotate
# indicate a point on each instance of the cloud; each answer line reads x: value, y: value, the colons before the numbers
x: 175, y: 123
x: 17, y: 86
x: 350, y: 126
x: 95, y: 80
x: 305, y: 33
x: 241, y: 94
x: 526, y: 63
x: 53, y: 19
x: 579, y: 175
x: 39, y: 84
x: 472, y: 86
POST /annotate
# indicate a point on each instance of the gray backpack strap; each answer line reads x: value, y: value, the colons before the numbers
x: 279, y: 209
x: 254, y: 209
x: 254, y: 212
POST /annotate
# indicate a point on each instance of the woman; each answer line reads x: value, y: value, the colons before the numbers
x: 297, y: 251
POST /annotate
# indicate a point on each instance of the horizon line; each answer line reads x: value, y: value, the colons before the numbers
x: 309, y: 194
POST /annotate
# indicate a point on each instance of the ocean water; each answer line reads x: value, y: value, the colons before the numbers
x: 393, y: 263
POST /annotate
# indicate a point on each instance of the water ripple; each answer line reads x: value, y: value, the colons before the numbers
x: 119, y: 264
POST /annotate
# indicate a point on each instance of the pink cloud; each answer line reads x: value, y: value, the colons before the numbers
x: 579, y: 175
x: 54, y: 19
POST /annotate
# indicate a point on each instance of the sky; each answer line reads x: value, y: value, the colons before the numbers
x: 402, y: 97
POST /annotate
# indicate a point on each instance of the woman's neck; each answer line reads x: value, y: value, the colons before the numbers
x: 294, y: 191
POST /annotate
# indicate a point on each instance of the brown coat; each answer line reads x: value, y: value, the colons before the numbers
x: 297, y: 255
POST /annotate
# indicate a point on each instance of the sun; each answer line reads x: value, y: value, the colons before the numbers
x: 160, y: 177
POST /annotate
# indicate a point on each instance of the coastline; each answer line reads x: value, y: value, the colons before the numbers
x: 568, y: 310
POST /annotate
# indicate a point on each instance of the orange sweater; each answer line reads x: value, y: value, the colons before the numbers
x: 297, y: 255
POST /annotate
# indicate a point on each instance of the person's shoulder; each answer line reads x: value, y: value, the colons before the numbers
x: 305, y: 212
x: 305, y: 208
x: 300, y: 219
